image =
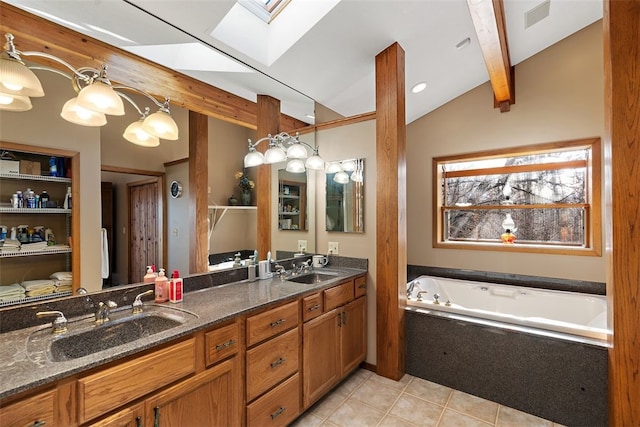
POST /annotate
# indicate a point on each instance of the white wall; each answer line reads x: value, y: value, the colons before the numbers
x: 559, y: 96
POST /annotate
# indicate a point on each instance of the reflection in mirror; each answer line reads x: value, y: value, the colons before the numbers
x: 292, y: 201
x: 345, y: 196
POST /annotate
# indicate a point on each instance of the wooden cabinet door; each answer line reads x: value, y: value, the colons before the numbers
x: 353, y: 335
x: 128, y: 417
x: 33, y: 411
x: 320, y: 364
x: 211, y: 398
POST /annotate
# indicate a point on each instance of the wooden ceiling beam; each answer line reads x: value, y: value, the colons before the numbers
x: 33, y: 33
x: 489, y: 22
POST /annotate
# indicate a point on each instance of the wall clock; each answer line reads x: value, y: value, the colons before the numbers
x: 176, y: 189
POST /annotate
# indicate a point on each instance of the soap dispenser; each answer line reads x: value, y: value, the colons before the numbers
x: 161, y: 287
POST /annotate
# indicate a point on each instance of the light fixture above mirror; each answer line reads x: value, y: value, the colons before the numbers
x: 284, y: 147
x: 96, y: 96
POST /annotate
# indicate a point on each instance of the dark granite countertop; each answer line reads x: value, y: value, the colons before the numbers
x: 21, y: 370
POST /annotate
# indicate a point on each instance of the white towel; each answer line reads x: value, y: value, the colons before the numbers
x: 105, y: 254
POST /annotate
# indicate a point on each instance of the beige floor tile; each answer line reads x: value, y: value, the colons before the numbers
x: 509, y: 417
x: 477, y: 407
x: 354, y: 380
x: 308, y: 420
x: 417, y: 411
x: 353, y: 413
x: 451, y: 418
x: 400, y: 385
x: 393, y: 421
x: 325, y: 406
x: 428, y: 390
x: 375, y: 394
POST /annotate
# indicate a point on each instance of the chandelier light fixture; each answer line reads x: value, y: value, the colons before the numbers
x: 284, y: 147
x: 96, y: 96
x: 345, y: 170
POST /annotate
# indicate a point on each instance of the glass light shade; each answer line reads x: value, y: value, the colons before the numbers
x: 341, y: 177
x: 275, y: 155
x: 136, y: 135
x: 101, y: 97
x: 253, y: 158
x: 75, y: 113
x: 297, y: 151
x: 162, y: 125
x: 17, y: 79
x: 295, y: 166
x: 17, y: 103
x: 508, y: 223
x: 349, y: 165
x: 315, y: 162
x: 357, y: 176
x: 333, y: 168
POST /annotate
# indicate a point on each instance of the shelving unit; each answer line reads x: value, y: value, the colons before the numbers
x: 28, y: 263
x: 292, y: 206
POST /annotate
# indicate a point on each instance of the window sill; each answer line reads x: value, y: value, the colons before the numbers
x: 519, y: 248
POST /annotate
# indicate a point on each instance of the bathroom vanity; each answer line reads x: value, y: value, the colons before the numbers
x: 246, y: 351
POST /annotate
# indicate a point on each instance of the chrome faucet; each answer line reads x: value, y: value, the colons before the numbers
x: 280, y: 271
x: 137, y: 302
x: 411, y: 287
x: 102, y: 315
x: 420, y: 294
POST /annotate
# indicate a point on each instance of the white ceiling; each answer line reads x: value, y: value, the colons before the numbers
x: 333, y: 60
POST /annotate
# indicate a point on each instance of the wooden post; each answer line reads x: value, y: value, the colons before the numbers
x: 391, y: 218
x: 198, y: 192
x: 622, y: 189
x: 268, y: 123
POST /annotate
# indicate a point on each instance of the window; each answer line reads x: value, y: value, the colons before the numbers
x: 266, y: 10
x: 547, y: 195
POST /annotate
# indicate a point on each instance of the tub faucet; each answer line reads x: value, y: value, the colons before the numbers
x: 420, y: 294
x: 410, y: 287
x: 435, y: 298
x: 102, y: 315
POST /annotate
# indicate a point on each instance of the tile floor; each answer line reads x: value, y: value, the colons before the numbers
x: 367, y: 400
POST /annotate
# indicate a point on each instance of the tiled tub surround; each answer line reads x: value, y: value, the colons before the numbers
x: 213, y: 305
x: 551, y: 375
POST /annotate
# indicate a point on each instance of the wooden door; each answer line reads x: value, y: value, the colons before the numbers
x: 353, y: 335
x: 211, y: 398
x: 320, y: 364
x: 144, y: 227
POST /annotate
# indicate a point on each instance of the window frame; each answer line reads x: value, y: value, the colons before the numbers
x: 593, y: 207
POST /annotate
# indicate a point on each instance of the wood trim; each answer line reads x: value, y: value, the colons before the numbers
x: 622, y: 148
x: 509, y: 207
x: 346, y: 121
x: 33, y: 33
x: 268, y: 123
x: 391, y: 211
x: 489, y: 22
x: 176, y: 162
x: 198, y: 192
x: 518, y: 248
x: 118, y: 169
x: 518, y: 169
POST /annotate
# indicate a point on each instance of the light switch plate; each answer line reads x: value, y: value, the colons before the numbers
x: 333, y: 248
x: 302, y: 246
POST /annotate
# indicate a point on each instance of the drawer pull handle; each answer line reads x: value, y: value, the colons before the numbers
x: 339, y: 319
x: 156, y: 416
x: 314, y: 307
x: 39, y: 423
x: 277, y: 323
x: 278, y: 362
x: 225, y: 345
x: 362, y: 286
x: 138, y: 422
x: 278, y: 412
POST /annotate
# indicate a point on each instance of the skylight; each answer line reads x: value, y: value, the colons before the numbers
x: 266, y: 10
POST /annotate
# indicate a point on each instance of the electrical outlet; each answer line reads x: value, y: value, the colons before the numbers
x: 333, y: 248
x: 302, y: 246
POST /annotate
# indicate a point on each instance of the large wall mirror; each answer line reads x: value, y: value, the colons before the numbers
x: 345, y: 196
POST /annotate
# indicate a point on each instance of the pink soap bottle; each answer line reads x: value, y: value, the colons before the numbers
x: 175, y: 287
x: 150, y: 277
x: 161, y: 288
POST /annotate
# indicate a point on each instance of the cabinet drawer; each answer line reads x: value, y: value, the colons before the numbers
x: 311, y: 307
x: 221, y: 343
x: 113, y: 387
x: 272, y: 322
x: 338, y: 295
x: 271, y: 362
x: 29, y: 411
x: 360, y: 286
x: 277, y: 408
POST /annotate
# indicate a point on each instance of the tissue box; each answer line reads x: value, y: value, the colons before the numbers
x: 29, y: 168
x: 9, y: 166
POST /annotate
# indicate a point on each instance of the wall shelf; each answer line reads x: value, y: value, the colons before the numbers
x: 216, y: 219
x: 64, y: 249
x: 20, y: 176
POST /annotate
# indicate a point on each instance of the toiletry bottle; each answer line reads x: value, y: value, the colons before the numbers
x: 20, y: 199
x: 161, y: 285
x: 175, y: 287
x: 150, y: 277
x: 30, y: 196
x: 44, y: 199
x: 53, y: 168
x: 67, y: 199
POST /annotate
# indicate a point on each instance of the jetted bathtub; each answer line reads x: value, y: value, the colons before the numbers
x: 573, y: 313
